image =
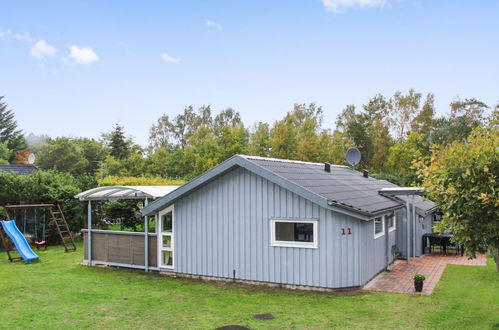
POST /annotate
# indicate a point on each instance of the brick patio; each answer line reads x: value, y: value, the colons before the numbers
x: 399, y: 278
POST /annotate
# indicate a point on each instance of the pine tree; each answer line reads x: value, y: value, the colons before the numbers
x: 9, y: 133
x: 119, y: 145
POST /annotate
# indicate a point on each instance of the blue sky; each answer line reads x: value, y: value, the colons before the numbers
x: 74, y: 68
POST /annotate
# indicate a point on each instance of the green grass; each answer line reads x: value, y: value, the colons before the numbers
x: 57, y: 292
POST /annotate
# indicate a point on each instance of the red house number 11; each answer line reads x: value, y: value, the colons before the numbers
x: 348, y: 231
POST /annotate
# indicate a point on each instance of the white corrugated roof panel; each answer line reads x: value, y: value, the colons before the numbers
x: 125, y: 192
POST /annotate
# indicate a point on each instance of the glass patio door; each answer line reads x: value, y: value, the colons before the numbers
x: 166, y: 239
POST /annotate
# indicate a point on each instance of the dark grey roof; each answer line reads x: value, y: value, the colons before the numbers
x: 18, y: 168
x: 342, y: 189
x: 342, y: 186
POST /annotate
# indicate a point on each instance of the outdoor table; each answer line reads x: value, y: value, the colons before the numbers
x: 443, y: 240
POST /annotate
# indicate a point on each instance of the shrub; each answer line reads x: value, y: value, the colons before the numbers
x: 139, y: 181
x: 419, y: 277
x: 44, y: 187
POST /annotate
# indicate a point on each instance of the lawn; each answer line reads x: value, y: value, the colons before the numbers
x: 57, y: 292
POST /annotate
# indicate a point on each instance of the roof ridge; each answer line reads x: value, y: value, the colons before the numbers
x: 288, y: 161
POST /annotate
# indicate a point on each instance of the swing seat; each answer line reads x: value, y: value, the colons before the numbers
x: 41, y: 244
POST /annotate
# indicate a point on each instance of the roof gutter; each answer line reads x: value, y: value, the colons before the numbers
x: 363, y: 214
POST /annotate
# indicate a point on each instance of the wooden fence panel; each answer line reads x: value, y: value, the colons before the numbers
x: 126, y: 248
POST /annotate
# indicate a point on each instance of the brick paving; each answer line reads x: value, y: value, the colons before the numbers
x: 399, y: 278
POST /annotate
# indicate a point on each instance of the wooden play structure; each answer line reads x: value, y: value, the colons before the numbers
x: 56, y: 218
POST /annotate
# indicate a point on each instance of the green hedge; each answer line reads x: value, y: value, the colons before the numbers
x: 45, y: 187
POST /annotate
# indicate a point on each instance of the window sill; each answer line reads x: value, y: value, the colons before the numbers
x: 391, y: 229
x: 376, y: 236
x: 295, y: 245
x: 167, y: 267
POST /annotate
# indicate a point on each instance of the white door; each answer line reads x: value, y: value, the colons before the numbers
x: 166, y: 242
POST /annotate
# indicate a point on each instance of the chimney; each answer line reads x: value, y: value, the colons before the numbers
x: 365, y: 173
x: 327, y: 167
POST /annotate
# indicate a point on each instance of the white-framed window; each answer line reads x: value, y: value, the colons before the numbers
x: 391, y: 222
x: 166, y: 242
x: 301, y: 233
x: 379, y: 227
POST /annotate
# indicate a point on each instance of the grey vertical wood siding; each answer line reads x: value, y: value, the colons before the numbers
x: 373, y: 250
x: 225, y: 226
x: 421, y: 229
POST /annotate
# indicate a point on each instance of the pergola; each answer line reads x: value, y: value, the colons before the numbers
x: 123, y: 192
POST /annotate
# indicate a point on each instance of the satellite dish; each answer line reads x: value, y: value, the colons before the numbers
x: 353, y: 156
x: 31, y: 158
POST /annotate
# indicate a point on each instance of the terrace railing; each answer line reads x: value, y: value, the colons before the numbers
x: 120, y: 249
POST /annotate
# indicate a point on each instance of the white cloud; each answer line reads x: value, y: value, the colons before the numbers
x: 23, y: 37
x: 82, y: 55
x: 5, y: 33
x: 170, y: 59
x: 42, y: 49
x: 339, y: 6
x: 212, y: 24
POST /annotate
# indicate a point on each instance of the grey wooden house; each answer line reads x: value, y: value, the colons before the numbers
x: 286, y: 222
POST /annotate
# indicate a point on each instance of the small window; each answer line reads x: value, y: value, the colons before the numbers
x: 294, y: 233
x: 167, y: 221
x: 391, y: 222
x: 379, y: 228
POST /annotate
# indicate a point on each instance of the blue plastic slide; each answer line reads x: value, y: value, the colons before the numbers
x: 19, y: 240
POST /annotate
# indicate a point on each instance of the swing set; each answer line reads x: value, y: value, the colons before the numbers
x: 32, y: 215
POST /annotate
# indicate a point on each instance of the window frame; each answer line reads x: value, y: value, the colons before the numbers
x: 394, y: 227
x: 382, y: 233
x: 307, y: 245
x: 161, y: 233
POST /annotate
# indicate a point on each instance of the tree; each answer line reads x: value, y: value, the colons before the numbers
x: 227, y: 117
x: 259, y: 143
x: 118, y: 144
x: 44, y: 187
x: 161, y: 134
x: 297, y: 135
x: 381, y: 143
x: 20, y: 157
x: 36, y: 142
x: 471, y: 108
x: 333, y: 146
x: 65, y: 155
x: 464, y: 117
x: 309, y: 148
x: 376, y: 111
x: 463, y: 179
x: 402, y: 156
x: 184, y: 125
x: 125, y: 210
x: 203, y: 150
x: 80, y: 156
x: 5, y: 153
x: 94, y: 152
x: 9, y: 132
x: 403, y: 109
x: 170, y: 163
x: 231, y: 140
x: 424, y: 121
x: 283, y: 138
